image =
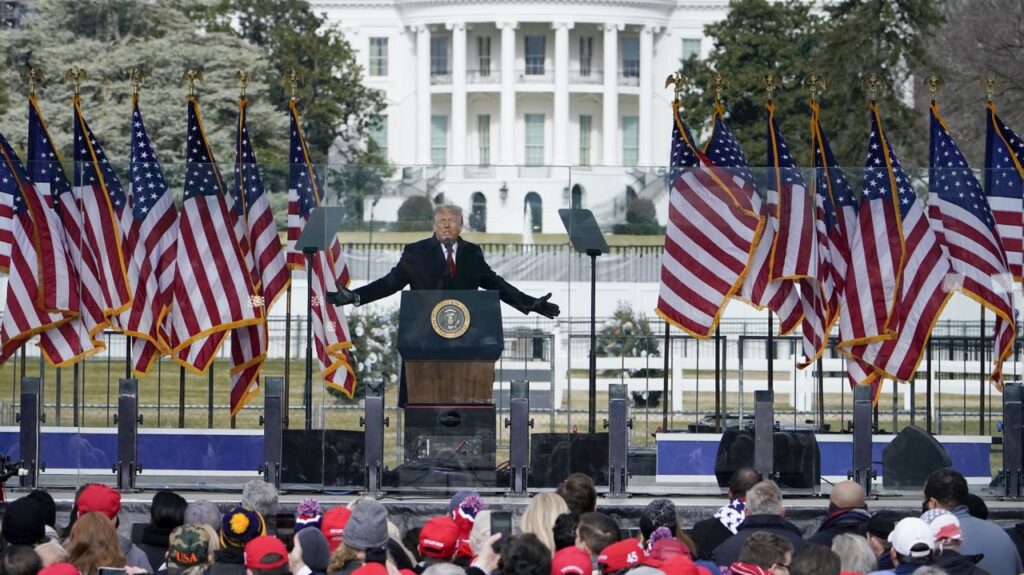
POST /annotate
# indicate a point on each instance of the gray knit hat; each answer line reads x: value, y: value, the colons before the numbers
x: 203, y: 512
x: 368, y: 526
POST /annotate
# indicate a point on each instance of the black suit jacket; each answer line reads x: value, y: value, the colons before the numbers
x: 423, y: 266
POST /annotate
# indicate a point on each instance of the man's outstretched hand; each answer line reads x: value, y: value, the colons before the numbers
x: 545, y: 308
x: 343, y: 296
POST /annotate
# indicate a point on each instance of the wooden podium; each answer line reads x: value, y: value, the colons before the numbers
x: 449, y: 341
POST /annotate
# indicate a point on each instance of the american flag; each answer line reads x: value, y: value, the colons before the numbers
x: 712, y: 230
x: 151, y: 240
x: 257, y: 234
x: 32, y: 225
x: 1004, y: 185
x: 837, y: 221
x: 213, y: 290
x: 795, y: 252
x: 70, y: 342
x: 969, y: 236
x: 921, y: 278
x: 330, y: 328
x: 758, y: 289
x: 102, y: 202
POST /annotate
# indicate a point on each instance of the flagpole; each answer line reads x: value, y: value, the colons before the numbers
x: 287, y: 346
x: 771, y: 82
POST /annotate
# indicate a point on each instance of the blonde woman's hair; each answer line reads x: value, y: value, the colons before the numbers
x: 539, y: 517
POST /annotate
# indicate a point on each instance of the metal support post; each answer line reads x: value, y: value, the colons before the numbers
x: 373, y: 423
x: 273, y: 421
x: 1013, y: 446
x: 863, y: 471
x: 29, y: 418
x: 618, y: 425
x: 764, y: 433
x: 519, y: 423
x: 127, y: 421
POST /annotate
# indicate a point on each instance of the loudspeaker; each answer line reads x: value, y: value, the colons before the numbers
x: 332, y: 457
x: 553, y: 456
x: 796, y: 455
x: 450, y: 436
x: 910, y: 458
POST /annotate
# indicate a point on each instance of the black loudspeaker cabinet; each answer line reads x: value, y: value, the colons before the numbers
x: 797, y: 459
x: 910, y: 458
x: 553, y: 456
x: 450, y: 436
x: 332, y: 457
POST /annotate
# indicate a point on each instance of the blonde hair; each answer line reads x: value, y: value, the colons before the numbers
x: 539, y: 517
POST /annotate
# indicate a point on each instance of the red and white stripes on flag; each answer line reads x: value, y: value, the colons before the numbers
x: 921, y: 280
x: 32, y: 227
x: 213, y: 290
x: 68, y: 343
x: 102, y: 202
x: 331, y: 338
x: 151, y: 226
x: 257, y: 235
x: 711, y: 234
x: 968, y: 233
x: 1004, y: 186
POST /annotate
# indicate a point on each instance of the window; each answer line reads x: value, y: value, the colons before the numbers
x: 483, y: 132
x: 586, y: 54
x: 478, y: 212
x: 585, y: 123
x: 377, y: 128
x: 438, y: 140
x: 439, y: 55
x: 534, y: 139
x: 378, y: 56
x: 630, y: 140
x: 483, y: 48
x: 533, y: 208
x: 534, y: 47
x: 691, y: 48
x: 630, y: 57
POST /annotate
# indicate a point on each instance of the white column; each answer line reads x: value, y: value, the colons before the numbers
x: 422, y: 94
x: 508, y: 93
x: 560, y: 144
x: 646, y: 92
x: 610, y: 124
x: 458, y: 121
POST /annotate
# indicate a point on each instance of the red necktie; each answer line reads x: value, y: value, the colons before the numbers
x: 451, y: 265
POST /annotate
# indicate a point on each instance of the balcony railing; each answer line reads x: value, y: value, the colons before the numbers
x: 629, y: 78
x: 489, y: 76
x: 438, y: 78
x: 586, y: 76
x: 534, y: 76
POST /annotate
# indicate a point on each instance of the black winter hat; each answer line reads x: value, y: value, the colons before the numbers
x: 24, y: 523
x: 658, y: 513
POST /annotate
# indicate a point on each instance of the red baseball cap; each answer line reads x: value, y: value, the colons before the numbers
x: 571, y: 561
x: 60, y: 569
x: 258, y: 553
x: 333, y: 525
x: 101, y: 499
x: 371, y: 569
x: 621, y: 555
x: 439, y: 538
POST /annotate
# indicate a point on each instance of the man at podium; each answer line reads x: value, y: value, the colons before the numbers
x: 444, y: 261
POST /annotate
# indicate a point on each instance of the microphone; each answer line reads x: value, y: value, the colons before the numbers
x: 448, y: 244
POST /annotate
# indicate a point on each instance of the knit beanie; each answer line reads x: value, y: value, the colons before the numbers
x: 658, y: 513
x: 203, y: 512
x: 315, y: 553
x: 367, y: 527
x: 240, y: 526
x: 308, y: 514
x: 23, y: 523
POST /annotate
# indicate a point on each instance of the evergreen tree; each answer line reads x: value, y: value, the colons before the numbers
x: 108, y: 39
x: 887, y: 38
x: 756, y: 38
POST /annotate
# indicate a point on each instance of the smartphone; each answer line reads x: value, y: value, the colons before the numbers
x: 501, y: 522
x: 111, y: 571
x: 285, y: 529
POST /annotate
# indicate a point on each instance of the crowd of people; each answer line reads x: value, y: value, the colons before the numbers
x: 559, y: 533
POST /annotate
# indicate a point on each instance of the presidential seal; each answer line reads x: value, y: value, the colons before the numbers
x: 450, y: 318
